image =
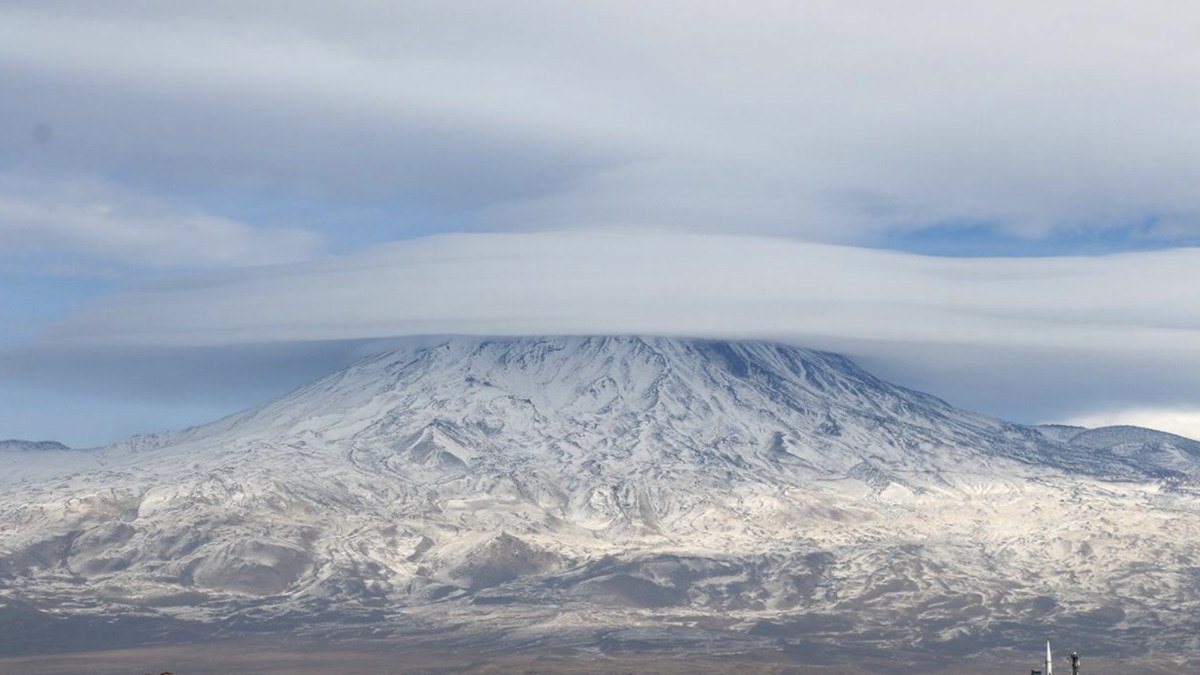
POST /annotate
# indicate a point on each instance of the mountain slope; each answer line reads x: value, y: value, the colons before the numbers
x: 1168, y: 451
x: 492, y: 490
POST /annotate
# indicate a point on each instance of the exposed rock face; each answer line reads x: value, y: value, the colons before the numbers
x: 581, y: 491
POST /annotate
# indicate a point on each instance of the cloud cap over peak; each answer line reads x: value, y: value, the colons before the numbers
x: 664, y: 283
x: 1031, y: 339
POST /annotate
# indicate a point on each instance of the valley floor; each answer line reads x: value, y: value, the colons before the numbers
x: 266, y: 657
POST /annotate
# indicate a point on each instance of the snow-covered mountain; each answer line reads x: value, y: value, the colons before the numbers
x: 614, y: 491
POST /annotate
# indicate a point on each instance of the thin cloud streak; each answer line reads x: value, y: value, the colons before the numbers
x: 98, y: 222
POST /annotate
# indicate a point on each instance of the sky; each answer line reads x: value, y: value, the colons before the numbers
x: 203, y: 205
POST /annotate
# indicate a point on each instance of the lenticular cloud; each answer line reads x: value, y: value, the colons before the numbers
x: 636, y: 283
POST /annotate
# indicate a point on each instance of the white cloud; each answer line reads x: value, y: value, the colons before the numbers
x: 99, y: 222
x: 1184, y: 422
x: 636, y: 282
x: 831, y: 120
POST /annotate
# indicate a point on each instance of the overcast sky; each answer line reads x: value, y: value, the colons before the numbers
x: 202, y: 204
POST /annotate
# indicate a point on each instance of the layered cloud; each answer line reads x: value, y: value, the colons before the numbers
x: 225, y: 136
x: 637, y: 282
x: 833, y: 121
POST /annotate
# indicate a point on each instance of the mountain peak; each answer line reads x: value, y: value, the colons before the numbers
x: 728, y: 409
